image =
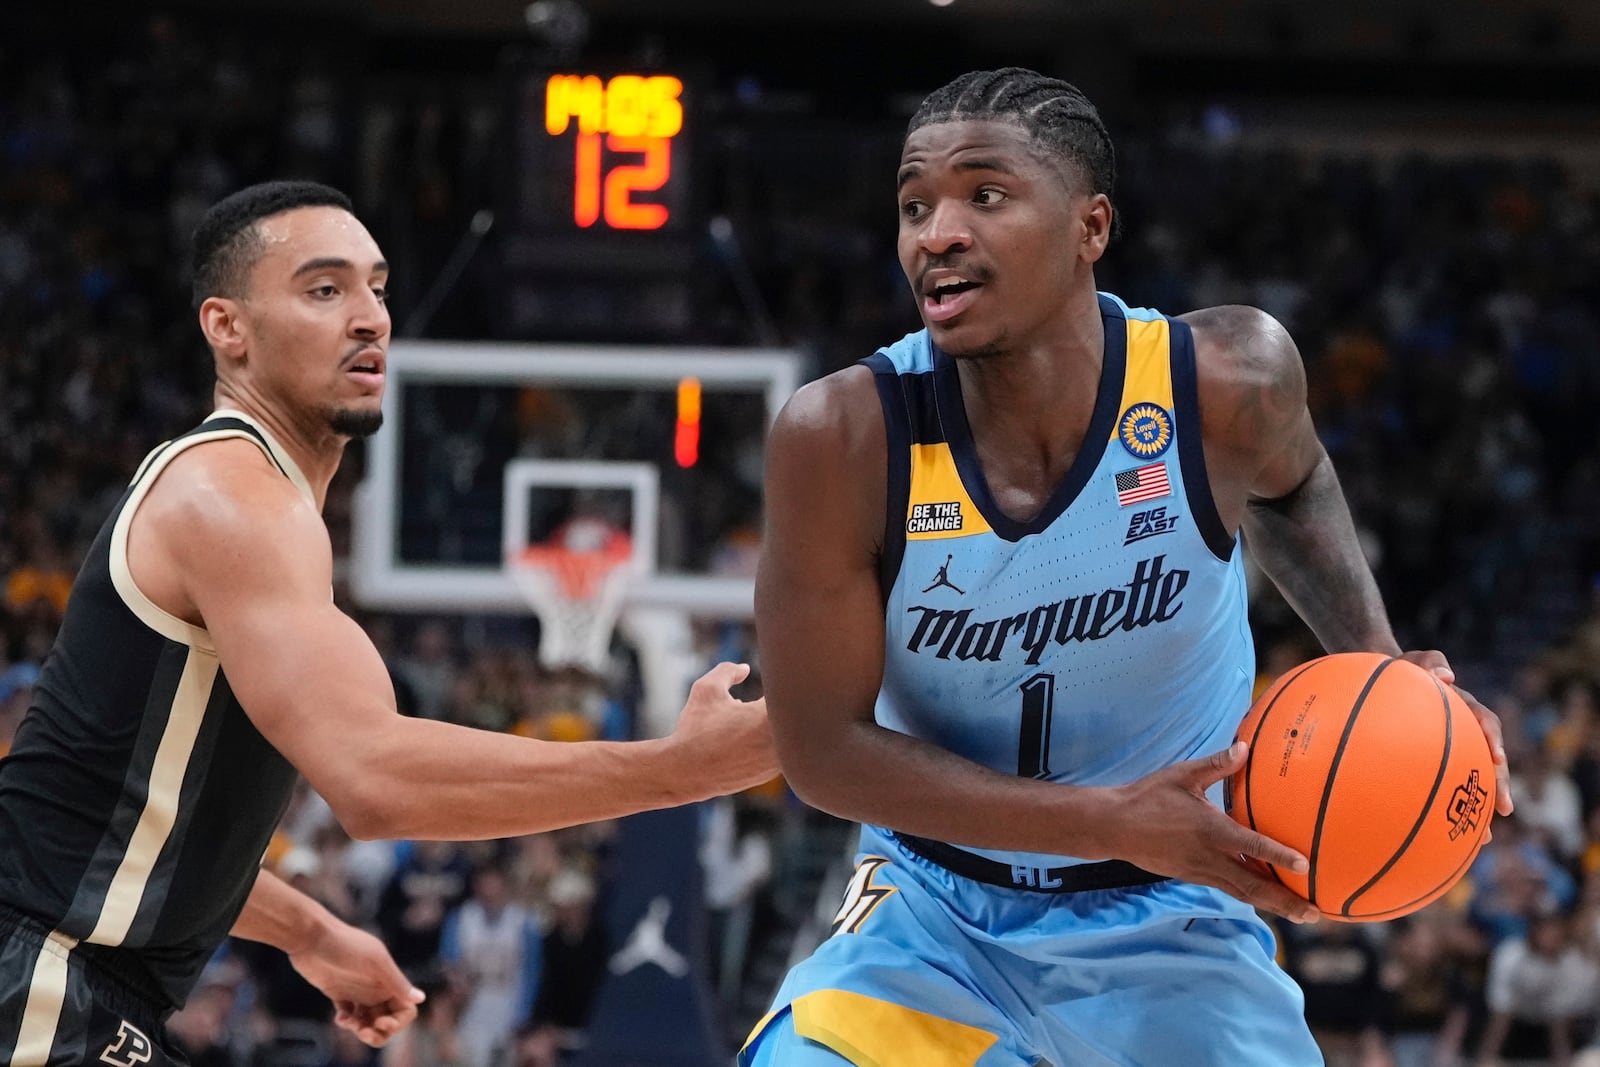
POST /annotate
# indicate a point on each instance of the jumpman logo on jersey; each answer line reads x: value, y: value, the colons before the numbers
x: 648, y: 944
x: 943, y: 578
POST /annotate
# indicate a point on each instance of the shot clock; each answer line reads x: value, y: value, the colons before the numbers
x: 604, y: 151
x: 622, y: 151
x: 604, y: 231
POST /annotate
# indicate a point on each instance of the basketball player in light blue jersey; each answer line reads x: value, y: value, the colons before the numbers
x: 1002, y: 620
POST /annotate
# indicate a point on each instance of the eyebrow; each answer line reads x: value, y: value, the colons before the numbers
x: 913, y: 170
x: 335, y: 263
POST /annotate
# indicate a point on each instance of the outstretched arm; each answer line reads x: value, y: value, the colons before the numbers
x: 370, y: 996
x: 251, y: 561
x: 1274, y: 479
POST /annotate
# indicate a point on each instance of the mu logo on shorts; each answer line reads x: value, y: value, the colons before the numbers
x: 861, y: 897
x: 130, y: 1049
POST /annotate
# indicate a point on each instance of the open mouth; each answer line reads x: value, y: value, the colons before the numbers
x: 948, y: 297
x: 368, y: 364
x: 949, y: 288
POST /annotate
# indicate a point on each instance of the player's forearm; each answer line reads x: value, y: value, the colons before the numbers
x: 280, y: 915
x: 1307, y: 544
x: 866, y: 773
x: 436, y: 781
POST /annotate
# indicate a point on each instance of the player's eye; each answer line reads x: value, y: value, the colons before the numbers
x: 912, y: 209
x: 325, y: 291
x: 381, y: 292
x: 988, y: 197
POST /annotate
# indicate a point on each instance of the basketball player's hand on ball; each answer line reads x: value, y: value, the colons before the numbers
x: 1176, y: 831
x: 371, y: 997
x: 1435, y: 662
x: 726, y: 742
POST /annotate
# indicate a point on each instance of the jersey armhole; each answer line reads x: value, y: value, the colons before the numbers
x: 1191, y: 444
x: 897, y: 434
x: 134, y: 598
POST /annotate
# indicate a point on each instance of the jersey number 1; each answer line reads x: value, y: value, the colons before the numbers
x: 1038, y: 708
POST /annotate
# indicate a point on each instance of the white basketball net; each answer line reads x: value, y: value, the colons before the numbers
x: 576, y: 583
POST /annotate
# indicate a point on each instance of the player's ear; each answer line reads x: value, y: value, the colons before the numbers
x: 222, y: 322
x: 1094, y: 215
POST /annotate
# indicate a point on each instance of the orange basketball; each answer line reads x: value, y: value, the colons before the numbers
x: 1376, y: 772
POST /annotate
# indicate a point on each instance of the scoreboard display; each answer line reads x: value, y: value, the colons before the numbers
x: 602, y: 152
x: 619, y: 134
x: 604, y: 229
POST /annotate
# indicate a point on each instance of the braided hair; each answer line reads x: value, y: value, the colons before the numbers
x: 1054, y: 113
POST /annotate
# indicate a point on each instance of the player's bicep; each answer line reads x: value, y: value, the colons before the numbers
x: 1285, y: 468
x: 303, y: 671
x: 819, y: 612
x: 1253, y: 401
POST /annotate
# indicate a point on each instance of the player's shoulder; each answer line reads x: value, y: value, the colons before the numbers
x: 836, y: 419
x: 830, y: 404
x: 228, y: 488
x: 1241, y: 343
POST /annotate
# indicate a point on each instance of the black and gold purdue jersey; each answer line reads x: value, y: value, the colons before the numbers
x: 138, y: 799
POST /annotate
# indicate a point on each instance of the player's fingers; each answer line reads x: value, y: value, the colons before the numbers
x: 721, y: 678
x: 1202, y: 772
x: 1252, y: 844
x: 1432, y: 661
x: 395, y: 1020
x: 1268, y: 894
x: 1493, y: 733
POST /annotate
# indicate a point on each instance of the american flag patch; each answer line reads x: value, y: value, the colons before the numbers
x: 1143, y: 483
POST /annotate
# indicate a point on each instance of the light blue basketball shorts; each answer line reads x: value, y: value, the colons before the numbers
x: 926, y: 968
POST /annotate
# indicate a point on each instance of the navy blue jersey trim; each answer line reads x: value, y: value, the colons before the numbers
x: 899, y: 416
x: 1191, y: 445
x: 953, y: 412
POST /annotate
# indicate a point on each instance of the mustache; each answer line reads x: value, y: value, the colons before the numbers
x: 975, y: 273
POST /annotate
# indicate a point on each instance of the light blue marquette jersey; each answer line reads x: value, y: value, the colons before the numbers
x: 1093, y: 644
x: 1101, y: 640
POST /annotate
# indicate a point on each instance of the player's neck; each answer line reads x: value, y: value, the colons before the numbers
x: 1042, y: 378
x: 315, y: 449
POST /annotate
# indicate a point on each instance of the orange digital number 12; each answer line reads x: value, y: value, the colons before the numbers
x: 595, y: 193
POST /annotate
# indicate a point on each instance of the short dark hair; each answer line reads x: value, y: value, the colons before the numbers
x: 1054, y: 113
x: 226, y: 243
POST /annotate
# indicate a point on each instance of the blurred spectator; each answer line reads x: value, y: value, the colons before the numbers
x: 203, y: 1030
x: 1577, y: 708
x: 736, y: 856
x: 1541, y: 989
x: 576, y: 949
x: 492, y: 950
x: 1428, y: 986
x: 1514, y: 879
x: 1337, y: 967
x: 1548, y: 803
x: 430, y: 881
x: 428, y: 667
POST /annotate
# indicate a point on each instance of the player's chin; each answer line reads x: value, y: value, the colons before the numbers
x: 356, y: 420
x: 969, y: 343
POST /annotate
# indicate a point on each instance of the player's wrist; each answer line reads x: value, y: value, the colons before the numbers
x: 309, y: 927
x: 678, y: 773
x: 1097, y: 822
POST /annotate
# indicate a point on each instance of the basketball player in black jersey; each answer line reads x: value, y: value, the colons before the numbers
x: 202, y: 665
